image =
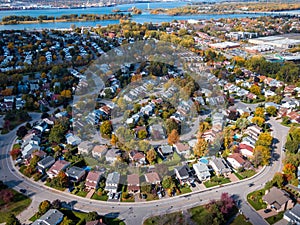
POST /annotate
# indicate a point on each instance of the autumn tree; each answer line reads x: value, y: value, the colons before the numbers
x: 151, y: 156
x: 255, y: 89
x: 259, y: 112
x: 15, y: 153
x: 66, y: 94
x: 106, y: 128
x: 114, y: 140
x: 289, y: 170
x: 259, y: 121
x: 173, y: 137
x: 44, y: 207
x: 271, y: 110
x: 201, y: 147
x: 261, y: 155
x: 171, y: 125
x: 264, y: 139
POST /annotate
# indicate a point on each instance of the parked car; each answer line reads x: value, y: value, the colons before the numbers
x: 117, y: 196
x: 23, y: 190
x: 267, y: 210
x: 111, y: 195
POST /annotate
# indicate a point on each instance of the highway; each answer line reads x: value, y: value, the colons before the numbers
x: 135, y: 213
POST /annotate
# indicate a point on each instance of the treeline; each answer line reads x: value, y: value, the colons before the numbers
x: 176, y: 11
x: 13, y: 19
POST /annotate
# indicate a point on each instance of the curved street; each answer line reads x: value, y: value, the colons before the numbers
x: 135, y: 213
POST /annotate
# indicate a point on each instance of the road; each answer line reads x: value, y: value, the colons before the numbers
x: 135, y: 213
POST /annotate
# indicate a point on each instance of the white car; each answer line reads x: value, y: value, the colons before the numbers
x: 111, y: 195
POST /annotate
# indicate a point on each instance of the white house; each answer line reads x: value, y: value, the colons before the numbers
x: 202, y: 171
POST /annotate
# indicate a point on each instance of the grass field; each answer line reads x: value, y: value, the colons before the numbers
x: 255, y: 199
x: 20, y: 202
x: 240, y: 220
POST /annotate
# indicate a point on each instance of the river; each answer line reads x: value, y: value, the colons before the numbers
x: 144, y: 17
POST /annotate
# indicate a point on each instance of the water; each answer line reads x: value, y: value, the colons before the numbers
x: 144, y: 17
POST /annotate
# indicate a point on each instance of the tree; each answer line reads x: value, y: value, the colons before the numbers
x: 12, y: 220
x: 144, y: 146
x: 151, y: 155
x: 66, y: 221
x: 92, y: 216
x: 57, y: 133
x: 22, y: 131
x: 168, y: 182
x: 264, y: 139
x: 6, y: 195
x: 106, y: 128
x: 289, y: 169
x: 171, y: 125
x: 259, y: 121
x: 255, y: 89
x: 173, y: 137
x: 114, y: 140
x: 278, y: 180
x: 201, y: 147
x: 227, y: 203
x: 142, y: 134
x: 15, y: 153
x: 66, y: 94
x: 44, y: 207
x: 56, y: 204
x: 271, y: 110
x: 62, y: 179
x: 259, y: 112
x: 146, y: 187
x: 264, y: 153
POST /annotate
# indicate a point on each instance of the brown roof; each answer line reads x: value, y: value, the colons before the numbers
x: 58, y: 166
x: 92, y: 178
x: 152, y: 177
x: 276, y: 197
x: 133, y: 179
x: 237, y: 157
x: 182, y: 147
x: 100, y: 148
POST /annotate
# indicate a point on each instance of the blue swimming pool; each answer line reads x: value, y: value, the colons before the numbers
x: 203, y: 160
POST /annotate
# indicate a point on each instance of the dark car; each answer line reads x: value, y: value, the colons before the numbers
x: 251, y: 184
x: 267, y: 210
x: 23, y: 190
x: 193, y: 184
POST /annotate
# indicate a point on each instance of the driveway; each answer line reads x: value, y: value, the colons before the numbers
x: 266, y: 215
x: 233, y: 177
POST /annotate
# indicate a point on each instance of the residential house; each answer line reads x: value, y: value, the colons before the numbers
x: 99, y: 151
x: 133, y: 183
x: 182, y: 149
x: 157, y: 132
x: 75, y: 174
x: 29, y: 149
x: 51, y: 217
x: 165, y: 150
x: 202, y: 171
x: 72, y: 139
x: 220, y: 166
x: 85, y: 147
x: 298, y: 176
x: 112, y: 155
x: 253, y: 131
x: 236, y: 160
x: 278, y: 199
x: 112, y: 182
x: 59, y: 165
x: 293, y: 215
x: 246, y: 150
x: 137, y: 157
x: 45, y: 163
x: 152, y: 178
x: 182, y: 174
x: 92, y: 180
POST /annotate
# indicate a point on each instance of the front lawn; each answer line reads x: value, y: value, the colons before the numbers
x: 215, y: 180
x: 240, y: 220
x: 255, y: 199
x: 102, y: 197
x: 55, y: 187
x: 245, y: 174
x: 19, y: 203
x: 81, y: 193
x: 276, y: 218
x: 185, y: 190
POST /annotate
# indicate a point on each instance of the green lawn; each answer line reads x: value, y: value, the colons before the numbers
x: 255, y: 199
x: 103, y: 197
x: 91, y: 161
x: 20, y: 202
x: 215, y: 180
x: 276, y: 218
x: 185, y: 189
x: 55, y: 187
x: 240, y: 220
x: 168, y: 219
x: 81, y: 193
x: 245, y: 174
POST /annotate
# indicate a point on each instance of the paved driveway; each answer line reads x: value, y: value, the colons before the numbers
x: 233, y: 177
x: 266, y: 215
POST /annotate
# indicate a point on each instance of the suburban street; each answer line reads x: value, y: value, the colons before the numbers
x: 135, y: 213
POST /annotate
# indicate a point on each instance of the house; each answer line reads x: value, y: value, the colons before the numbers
x: 133, y: 183
x: 51, y: 217
x: 182, y: 173
x: 99, y: 151
x: 236, y: 160
x: 182, y: 149
x: 293, y: 215
x: 152, y: 178
x: 298, y: 176
x: 112, y: 182
x: 72, y: 139
x: 246, y: 150
x: 157, y: 132
x: 220, y: 166
x: 112, y: 155
x: 85, y: 147
x: 253, y: 131
x: 75, y: 174
x: 278, y: 199
x: 137, y: 157
x: 28, y: 149
x: 92, y: 180
x: 59, y: 165
x: 202, y: 171
x: 165, y: 150
x: 45, y: 163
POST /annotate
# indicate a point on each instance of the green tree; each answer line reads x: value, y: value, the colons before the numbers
x: 271, y: 110
x: 171, y: 125
x: 92, y: 216
x: 168, y: 182
x: 146, y: 187
x: 144, y: 146
x: 12, y: 220
x: 57, y: 133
